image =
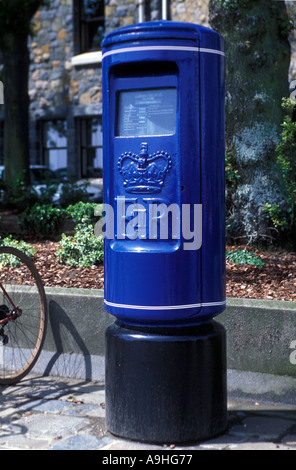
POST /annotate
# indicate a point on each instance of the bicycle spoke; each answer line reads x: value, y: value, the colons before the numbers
x: 23, y: 315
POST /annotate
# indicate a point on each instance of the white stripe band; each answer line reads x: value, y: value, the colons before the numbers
x: 163, y: 48
x: 165, y: 307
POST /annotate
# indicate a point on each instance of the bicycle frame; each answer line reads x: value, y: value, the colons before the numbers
x: 16, y: 311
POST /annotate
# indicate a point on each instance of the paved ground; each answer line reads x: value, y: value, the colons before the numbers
x: 46, y: 413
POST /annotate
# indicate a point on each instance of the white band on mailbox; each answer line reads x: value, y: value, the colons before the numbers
x: 163, y: 48
x: 165, y: 307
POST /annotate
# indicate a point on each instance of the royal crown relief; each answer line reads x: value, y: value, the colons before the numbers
x: 144, y: 173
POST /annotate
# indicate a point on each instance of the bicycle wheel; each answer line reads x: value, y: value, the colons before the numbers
x: 23, y: 315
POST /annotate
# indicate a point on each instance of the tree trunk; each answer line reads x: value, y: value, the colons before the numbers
x: 257, y: 65
x: 16, y: 131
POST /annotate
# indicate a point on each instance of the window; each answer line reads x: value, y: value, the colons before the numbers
x: 91, y: 147
x: 54, y: 144
x: 151, y: 10
x: 89, y: 24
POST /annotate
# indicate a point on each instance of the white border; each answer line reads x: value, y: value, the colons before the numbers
x: 162, y: 48
x: 87, y: 58
x: 165, y: 307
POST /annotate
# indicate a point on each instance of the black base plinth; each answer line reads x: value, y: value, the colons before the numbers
x: 166, y: 385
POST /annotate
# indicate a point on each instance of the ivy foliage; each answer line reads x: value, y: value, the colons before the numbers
x: 7, y: 259
x: 244, y: 257
x: 283, y: 216
x: 83, y: 249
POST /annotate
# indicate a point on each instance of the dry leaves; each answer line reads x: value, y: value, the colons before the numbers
x: 56, y: 274
x: 276, y: 280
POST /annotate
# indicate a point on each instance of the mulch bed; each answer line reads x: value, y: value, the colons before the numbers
x: 56, y: 274
x: 276, y: 280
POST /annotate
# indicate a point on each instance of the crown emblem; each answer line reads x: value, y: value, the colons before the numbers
x: 144, y: 173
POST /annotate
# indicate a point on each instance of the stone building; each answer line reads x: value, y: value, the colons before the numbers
x: 65, y: 83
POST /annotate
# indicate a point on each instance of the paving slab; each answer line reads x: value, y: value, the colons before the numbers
x: 51, y: 413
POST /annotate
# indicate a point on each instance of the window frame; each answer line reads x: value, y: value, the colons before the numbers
x: 81, y: 25
x: 44, y: 149
x: 84, y: 146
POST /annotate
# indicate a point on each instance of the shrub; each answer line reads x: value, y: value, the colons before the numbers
x: 29, y: 250
x: 83, y: 210
x: 283, y: 216
x: 232, y: 178
x: 277, y: 216
x: 22, y: 196
x: 244, y: 257
x: 72, y: 193
x: 43, y: 219
x: 83, y: 249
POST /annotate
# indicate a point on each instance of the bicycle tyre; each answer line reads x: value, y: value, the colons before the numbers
x: 26, y: 334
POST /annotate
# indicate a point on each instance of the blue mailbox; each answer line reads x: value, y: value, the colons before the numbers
x: 163, y: 111
x: 164, y: 259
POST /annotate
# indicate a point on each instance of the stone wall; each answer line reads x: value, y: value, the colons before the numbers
x: 192, y: 11
x: 59, y: 90
x: 119, y: 13
x: 54, y: 83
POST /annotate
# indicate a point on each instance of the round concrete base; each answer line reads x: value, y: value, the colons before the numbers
x: 166, y: 385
